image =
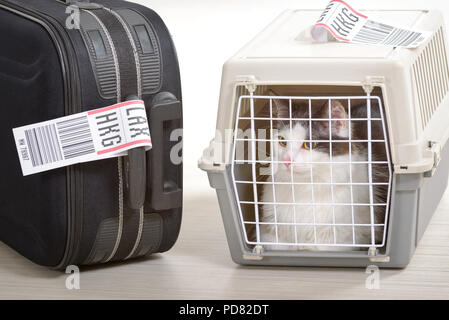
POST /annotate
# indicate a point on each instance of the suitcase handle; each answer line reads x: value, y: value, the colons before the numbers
x: 135, y: 174
x: 165, y: 192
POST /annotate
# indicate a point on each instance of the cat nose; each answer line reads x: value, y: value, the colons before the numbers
x: 287, y: 161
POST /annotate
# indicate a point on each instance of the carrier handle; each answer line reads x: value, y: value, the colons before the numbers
x: 135, y: 174
x: 165, y: 192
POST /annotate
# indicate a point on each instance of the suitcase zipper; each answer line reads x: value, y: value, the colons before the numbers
x: 72, y: 105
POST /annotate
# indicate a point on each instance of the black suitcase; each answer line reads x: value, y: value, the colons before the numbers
x: 51, y: 66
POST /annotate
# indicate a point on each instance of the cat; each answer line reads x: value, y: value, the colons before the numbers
x: 302, y: 171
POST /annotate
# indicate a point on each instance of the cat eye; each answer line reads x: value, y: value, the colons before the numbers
x: 309, y: 145
x: 282, y: 141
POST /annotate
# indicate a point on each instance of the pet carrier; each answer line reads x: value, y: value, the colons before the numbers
x: 328, y: 154
x: 59, y: 58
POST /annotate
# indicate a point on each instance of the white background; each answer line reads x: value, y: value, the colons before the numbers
x: 208, y: 32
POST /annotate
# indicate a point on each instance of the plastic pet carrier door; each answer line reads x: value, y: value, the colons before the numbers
x: 331, y: 186
x: 331, y: 154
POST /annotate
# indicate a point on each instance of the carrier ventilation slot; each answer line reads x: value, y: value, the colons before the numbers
x: 431, y: 76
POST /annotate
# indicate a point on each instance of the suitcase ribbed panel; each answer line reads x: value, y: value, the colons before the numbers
x: 107, y: 233
x: 150, y: 62
x: 150, y: 66
x: 103, y: 66
x: 106, y: 77
x: 151, y: 236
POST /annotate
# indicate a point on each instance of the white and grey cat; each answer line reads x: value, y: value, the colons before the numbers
x: 320, y: 192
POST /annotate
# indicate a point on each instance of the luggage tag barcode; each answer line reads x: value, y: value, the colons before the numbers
x: 348, y: 25
x: 88, y: 136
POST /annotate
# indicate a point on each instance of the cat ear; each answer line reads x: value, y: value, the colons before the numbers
x: 338, y: 115
x: 280, y: 106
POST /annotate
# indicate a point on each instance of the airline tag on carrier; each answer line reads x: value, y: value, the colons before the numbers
x: 345, y: 24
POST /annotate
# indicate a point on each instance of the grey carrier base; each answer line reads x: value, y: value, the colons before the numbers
x: 414, y: 200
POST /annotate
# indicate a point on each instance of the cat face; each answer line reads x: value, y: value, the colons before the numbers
x: 297, y: 138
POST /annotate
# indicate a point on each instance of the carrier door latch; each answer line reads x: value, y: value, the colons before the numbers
x: 372, y: 81
x: 435, y: 148
x: 248, y: 81
x: 255, y: 255
x: 374, y: 256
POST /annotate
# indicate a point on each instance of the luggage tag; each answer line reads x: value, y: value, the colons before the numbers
x: 88, y: 136
x: 345, y: 24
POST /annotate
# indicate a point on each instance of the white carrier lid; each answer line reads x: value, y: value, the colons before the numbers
x: 286, y: 37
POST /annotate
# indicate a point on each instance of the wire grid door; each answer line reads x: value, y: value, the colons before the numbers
x: 295, y: 203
